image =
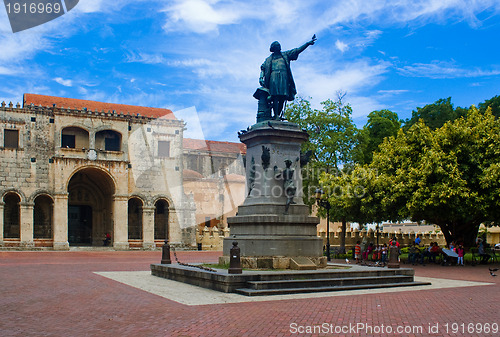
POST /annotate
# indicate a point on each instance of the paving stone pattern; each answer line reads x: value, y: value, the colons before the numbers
x: 58, y: 294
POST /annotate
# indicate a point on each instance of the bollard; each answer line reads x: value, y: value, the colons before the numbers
x: 393, y: 257
x: 165, y: 253
x: 234, y: 259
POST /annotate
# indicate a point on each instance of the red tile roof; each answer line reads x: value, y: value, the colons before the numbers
x: 79, y: 104
x: 214, y: 146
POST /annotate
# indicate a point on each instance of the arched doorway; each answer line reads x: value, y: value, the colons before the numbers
x: 11, y: 216
x: 161, y: 220
x: 42, y: 217
x: 135, y: 219
x: 90, y: 207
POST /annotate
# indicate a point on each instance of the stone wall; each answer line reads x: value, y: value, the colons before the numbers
x: 212, y: 238
x: 371, y: 236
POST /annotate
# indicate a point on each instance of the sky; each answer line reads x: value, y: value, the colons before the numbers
x: 201, y: 58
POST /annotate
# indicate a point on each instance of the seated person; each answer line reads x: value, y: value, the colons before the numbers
x: 482, y: 253
x: 413, y: 253
x: 107, y: 240
x: 435, y: 251
x: 426, y: 253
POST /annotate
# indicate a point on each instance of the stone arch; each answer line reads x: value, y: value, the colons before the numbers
x: 37, y: 193
x: 43, y: 216
x: 135, y: 225
x: 155, y: 198
x: 91, y: 192
x: 108, y: 140
x: 19, y: 193
x: 94, y: 167
x: 74, y: 137
x: 11, y: 215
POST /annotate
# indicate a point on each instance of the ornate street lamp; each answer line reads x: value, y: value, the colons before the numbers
x: 326, y: 205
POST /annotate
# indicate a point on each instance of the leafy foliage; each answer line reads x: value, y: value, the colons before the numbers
x: 492, y: 103
x: 446, y: 176
x: 434, y: 115
x: 332, y: 138
x: 380, y: 125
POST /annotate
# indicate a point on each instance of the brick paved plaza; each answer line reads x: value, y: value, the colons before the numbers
x: 61, y: 294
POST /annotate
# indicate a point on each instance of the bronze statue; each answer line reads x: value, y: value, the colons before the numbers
x: 276, y: 76
x: 288, y: 183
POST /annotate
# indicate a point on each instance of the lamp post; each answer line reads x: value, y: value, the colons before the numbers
x: 326, y: 205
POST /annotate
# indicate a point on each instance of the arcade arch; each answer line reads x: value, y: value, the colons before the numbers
x: 135, y: 219
x: 43, y: 213
x: 11, y: 216
x: 161, y: 219
x: 90, y: 207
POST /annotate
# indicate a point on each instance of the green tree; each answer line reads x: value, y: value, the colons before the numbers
x: 332, y: 140
x: 434, y: 115
x: 449, y: 176
x: 380, y: 125
x: 493, y: 103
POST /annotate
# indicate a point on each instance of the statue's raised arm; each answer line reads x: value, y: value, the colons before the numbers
x: 276, y: 75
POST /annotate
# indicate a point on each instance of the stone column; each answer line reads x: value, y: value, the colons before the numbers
x: 1, y: 223
x: 148, y: 227
x: 61, y: 221
x: 120, y: 222
x: 174, y: 228
x: 26, y: 222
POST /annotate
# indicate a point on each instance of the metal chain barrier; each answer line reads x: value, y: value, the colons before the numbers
x: 190, y: 265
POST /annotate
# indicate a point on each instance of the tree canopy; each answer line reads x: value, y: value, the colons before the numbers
x: 380, y: 125
x: 442, y: 167
x: 434, y: 115
x: 448, y: 176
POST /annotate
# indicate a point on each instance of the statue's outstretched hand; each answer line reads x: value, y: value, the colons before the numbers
x: 313, y: 39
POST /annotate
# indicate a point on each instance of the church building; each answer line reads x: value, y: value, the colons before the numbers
x: 74, y: 171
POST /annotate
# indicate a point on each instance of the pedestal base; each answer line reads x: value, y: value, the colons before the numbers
x: 279, y: 262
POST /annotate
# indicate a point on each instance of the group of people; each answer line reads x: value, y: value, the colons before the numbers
x: 376, y: 253
x: 433, y: 251
x: 416, y: 252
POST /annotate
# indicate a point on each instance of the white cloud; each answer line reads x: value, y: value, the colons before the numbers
x: 92, y: 6
x: 62, y: 81
x: 321, y: 84
x: 341, y: 46
x: 89, y: 6
x: 393, y: 92
x: 144, y: 58
x: 444, y: 70
x: 201, y: 16
x: 6, y: 71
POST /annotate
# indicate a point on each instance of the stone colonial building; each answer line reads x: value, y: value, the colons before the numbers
x: 214, y: 175
x: 72, y: 171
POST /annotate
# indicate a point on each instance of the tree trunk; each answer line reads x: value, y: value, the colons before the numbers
x: 342, y: 236
x: 460, y: 232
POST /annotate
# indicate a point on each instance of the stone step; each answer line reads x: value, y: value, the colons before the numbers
x: 333, y: 274
x: 282, y: 291
x: 327, y: 282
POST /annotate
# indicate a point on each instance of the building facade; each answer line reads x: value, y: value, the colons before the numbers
x: 214, y: 176
x: 73, y: 171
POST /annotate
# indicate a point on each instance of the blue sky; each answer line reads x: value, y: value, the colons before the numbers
x: 203, y: 57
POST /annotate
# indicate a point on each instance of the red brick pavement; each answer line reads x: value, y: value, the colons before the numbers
x: 57, y: 294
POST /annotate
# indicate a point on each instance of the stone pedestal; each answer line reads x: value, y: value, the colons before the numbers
x: 268, y: 234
